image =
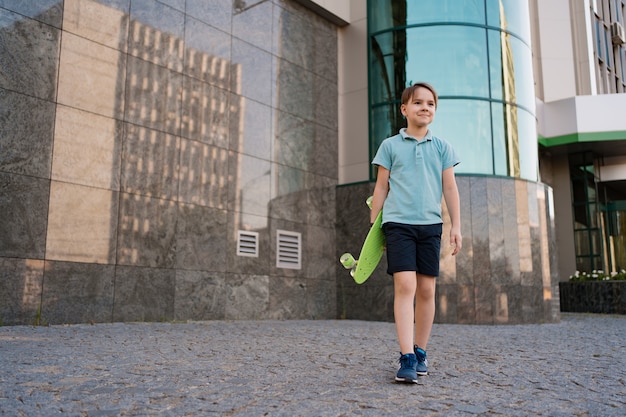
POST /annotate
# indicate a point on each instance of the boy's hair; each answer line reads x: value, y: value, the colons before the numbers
x: 408, y: 92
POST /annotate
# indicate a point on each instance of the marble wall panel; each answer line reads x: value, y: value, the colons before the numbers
x: 32, y: 48
x: 294, y: 89
x: 45, y: 11
x: 20, y: 290
x: 325, y: 103
x: 176, y: 4
x: 81, y: 60
x: 511, y: 241
x: 26, y: 134
x: 447, y: 262
x: 201, y: 238
x: 101, y: 21
x: 286, y: 298
x: 249, y: 184
x: 156, y: 34
x: 207, y: 53
x: 326, y: 50
x: 321, y: 299
x: 292, y: 37
x: 24, y: 208
x: 320, y: 200
x: 82, y: 223
x: 200, y: 295
x: 252, y: 21
x: 87, y: 149
x: 249, y: 297
x: 206, y: 112
x: 147, y: 232
x: 203, y: 178
x: 288, y: 189
x: 144, y: 294
x: 324, y: 155
x: 480, y: 230
x: 153, y: 96
x: 251, y: 130
x: 253, y: 76
x: 295, y: 140
x: 150, y: 163
x: 464, y: 262
x: 218, y: 14
x: 497, y: 259
x: 446, y: 303
x: 77, y: 293
x: 319, y: 253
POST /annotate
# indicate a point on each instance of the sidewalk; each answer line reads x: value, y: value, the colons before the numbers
x: 312, y: 368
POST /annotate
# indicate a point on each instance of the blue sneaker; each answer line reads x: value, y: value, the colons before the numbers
x: 406, y: 373
x: 421, y: 367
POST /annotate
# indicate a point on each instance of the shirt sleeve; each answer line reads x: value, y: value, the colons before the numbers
x: 383, y: 156
x: 449, y: 156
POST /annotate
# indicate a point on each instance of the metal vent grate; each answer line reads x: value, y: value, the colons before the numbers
x: 248, y: 244
x: 288, y: 249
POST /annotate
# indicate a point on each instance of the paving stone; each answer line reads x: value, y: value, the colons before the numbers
x: 312, y: 368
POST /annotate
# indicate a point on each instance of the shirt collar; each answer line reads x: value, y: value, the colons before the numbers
x: 428, y: 136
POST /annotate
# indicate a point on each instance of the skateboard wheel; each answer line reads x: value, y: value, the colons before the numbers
x: 369, y: 201
x: 347, y: 261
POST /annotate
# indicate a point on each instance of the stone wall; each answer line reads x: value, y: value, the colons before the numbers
x: 506, y: 272
x: 139, y: 137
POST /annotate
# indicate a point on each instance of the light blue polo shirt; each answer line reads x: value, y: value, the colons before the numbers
x: 415, y: 178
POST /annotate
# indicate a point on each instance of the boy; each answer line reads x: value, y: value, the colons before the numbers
x: 414, y: 169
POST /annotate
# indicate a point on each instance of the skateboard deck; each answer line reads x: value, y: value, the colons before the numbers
x: 371, y: 252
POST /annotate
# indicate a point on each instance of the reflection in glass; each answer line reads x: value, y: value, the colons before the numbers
x: 480, y: 62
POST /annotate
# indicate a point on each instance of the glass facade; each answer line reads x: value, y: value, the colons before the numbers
x: 477, y: 54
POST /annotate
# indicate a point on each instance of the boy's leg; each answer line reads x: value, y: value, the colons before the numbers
x: 405, y: 285
x: 424, y: 309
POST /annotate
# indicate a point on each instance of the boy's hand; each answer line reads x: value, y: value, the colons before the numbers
x: 456, y: 241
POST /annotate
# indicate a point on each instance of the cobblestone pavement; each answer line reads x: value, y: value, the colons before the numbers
x: 312, y: 368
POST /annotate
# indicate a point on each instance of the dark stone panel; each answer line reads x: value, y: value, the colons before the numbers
x: 26, y: 134
x: 152, y: 26
x: 21, y: 283
x: 201, y: 238
x: 153, y: 96
x: 466, y: 304
x: 320, y: 200
x: 288, y: 298
x: 293, y: 37
x: 144, y: 294
x: 607, y: 297
x: 324, y: 157
x: 204, y: 175
x: 29, y: 52
x: 45, y: 11
x: 497, y: 259
x: 150, y: 162
x: 321, y: 299
x: 216, y: 13
x: 200, y: 295
x: 77, y: 293
x: 325, y: 54
x: 294, y: 86
x: 248, y: 297
x: 318, y: 253
x: 446, y: 303
x: 511, y: 240
x: 480, y: 231
x: 251, y: 22
x: 23, y: 222
x: 464, y: 261
x: 205, y: 112
x: 325, y: 103
x: 147, y: 232
x: 252, y: 72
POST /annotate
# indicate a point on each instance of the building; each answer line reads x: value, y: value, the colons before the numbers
x: 193, y: 159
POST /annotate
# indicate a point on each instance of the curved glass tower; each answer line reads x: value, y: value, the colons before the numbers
x: 477, y: 54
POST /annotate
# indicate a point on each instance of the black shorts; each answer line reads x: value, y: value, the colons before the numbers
x: 413, y: 248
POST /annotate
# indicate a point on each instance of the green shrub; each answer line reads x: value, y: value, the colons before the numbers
x: 598, y: 276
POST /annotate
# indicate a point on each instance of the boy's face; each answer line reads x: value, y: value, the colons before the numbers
x: 421, y: 108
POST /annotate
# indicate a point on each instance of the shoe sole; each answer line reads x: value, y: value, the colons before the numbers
x: 422, y: 373
x: 414, y: 381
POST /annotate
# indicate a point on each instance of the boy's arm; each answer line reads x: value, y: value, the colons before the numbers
x: 451, y: 195
x: 381, y: 189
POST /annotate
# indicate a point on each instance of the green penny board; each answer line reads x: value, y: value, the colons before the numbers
x: 371, y: 252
